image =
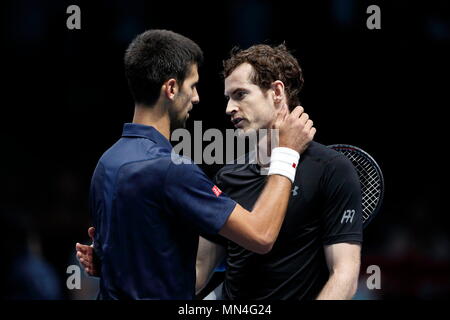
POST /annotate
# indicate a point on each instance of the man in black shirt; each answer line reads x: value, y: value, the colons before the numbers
x: 317, y: 253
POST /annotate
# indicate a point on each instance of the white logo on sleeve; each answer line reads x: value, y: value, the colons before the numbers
x: 348, y: 216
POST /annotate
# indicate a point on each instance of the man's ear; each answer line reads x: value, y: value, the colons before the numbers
x: 278, y: 93
x: 170, y: 88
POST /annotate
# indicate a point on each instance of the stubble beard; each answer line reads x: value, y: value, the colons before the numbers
x: 176, y: 121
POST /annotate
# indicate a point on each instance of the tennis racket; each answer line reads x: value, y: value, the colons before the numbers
x: 370, y: 176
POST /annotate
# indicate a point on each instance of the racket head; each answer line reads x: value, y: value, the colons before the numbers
x: 370, y: 177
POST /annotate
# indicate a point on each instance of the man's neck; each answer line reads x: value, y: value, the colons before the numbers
x: 155, y: 116
x: 264, y: 148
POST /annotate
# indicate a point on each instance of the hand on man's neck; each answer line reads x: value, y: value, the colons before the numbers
x: 264, y: 148
x: 266, y: 143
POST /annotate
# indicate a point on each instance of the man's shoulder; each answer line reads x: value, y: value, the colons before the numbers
x: 125, y: 156
x: 335, y: 165
x: 324, y: 155
x: 319, y: 152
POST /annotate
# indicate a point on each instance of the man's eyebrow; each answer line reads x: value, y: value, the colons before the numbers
x: 235, y: 90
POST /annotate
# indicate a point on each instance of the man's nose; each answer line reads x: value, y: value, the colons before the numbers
x: 195, y: 97
x: 231, y: 108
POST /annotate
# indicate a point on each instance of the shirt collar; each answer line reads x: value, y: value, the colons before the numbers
x: 147, y: 132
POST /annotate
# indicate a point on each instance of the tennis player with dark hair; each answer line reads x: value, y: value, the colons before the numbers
x: 317, y: 254
x: 149, y: 210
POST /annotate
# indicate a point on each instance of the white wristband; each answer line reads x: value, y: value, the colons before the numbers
x: 284, y: 161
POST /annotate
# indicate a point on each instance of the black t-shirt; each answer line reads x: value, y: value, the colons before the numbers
x: 324, y: 208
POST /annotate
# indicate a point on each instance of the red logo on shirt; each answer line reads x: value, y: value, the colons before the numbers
x: 216, y: 191
x: 294, y: 165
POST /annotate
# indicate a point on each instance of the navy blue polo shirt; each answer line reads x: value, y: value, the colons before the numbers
x: 148, y: 212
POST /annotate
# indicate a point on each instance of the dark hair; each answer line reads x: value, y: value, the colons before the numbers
x: 155, y: 56
x: 269, y: 64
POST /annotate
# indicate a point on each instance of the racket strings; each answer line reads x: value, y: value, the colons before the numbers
x: 370, y: 181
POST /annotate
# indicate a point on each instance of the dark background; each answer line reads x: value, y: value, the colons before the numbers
x: 65, y: 99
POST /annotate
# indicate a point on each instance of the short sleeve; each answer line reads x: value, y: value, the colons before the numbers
x: 342, y: 214
x: 190, y: 194
x: 216, y: 238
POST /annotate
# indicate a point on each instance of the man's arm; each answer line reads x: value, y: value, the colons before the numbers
x: 209, y: 256
x: 342, y: 236
x: 257, y: 230
x: 343, y: 260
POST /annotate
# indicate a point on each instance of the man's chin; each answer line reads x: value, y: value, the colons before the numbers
x: 179, y: 124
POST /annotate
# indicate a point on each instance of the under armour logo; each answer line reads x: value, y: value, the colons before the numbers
x: 348, y: 215
x: 294, y: 191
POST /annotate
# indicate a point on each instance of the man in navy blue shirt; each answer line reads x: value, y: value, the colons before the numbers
x: 148, y: 209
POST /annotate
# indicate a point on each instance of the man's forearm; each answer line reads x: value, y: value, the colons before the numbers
x: 203, y: 274
x: 257, y: 230
x: 339, y: 287
x: 209, y: 255
x: 274, y: 198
